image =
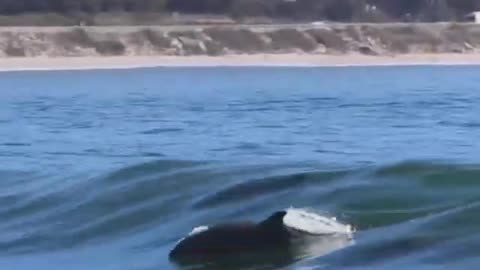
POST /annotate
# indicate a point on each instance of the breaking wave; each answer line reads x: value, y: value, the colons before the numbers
x: 395, y: 210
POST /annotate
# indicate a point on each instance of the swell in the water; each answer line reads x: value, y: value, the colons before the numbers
x: 405, y: 207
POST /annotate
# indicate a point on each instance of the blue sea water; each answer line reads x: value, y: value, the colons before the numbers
x: 108, y: 169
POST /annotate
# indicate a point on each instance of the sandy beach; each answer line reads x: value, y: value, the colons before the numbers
x: 128, y: 62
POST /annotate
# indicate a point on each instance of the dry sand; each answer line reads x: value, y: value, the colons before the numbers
x: 121, y: 62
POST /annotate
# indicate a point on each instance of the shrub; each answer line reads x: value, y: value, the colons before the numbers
x: 330, y: 39
x: 239, y: 40
x: 110, y: 47
x: 14, y: 51
x: 292, y: 39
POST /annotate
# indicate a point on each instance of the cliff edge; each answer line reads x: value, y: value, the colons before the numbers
x: 328, y: 39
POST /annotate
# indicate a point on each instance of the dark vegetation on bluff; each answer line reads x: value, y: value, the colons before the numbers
x: 294, y: 10
x: 332, y: 39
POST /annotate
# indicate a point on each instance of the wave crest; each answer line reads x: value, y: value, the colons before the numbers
x: 312, y: 223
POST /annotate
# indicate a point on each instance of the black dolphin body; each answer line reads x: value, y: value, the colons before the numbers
x: 234, y: 239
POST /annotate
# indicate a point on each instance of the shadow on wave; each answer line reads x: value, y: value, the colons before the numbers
x: 281, y: 239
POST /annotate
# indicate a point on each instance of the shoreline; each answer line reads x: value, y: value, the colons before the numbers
x: 254, y: 60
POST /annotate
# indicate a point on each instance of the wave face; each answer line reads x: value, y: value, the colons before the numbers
x: 406, y: 213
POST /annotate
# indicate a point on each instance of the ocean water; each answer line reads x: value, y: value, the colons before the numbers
x: 109, y: 169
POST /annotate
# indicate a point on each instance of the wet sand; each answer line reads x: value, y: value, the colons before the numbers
x: 122, y: 62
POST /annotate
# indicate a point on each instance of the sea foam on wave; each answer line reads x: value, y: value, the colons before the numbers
x: 313, y: 223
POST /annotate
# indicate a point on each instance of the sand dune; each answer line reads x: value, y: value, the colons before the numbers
x: 29, y: 48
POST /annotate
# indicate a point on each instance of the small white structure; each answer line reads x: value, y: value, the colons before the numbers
x: 369, y: 8
x: 473, y: 17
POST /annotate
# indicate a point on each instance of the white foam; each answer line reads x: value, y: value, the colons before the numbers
x: 305, y: 221
x: 195, y: 230
x: 198, y: 229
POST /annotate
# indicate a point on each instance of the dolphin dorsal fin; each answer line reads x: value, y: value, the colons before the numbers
x: 274, y: 219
